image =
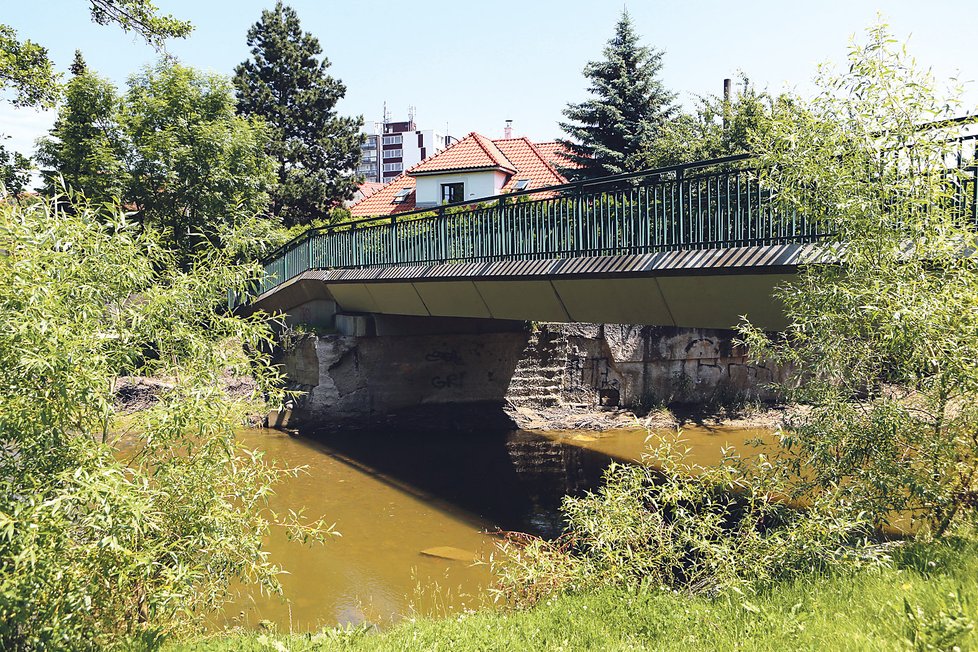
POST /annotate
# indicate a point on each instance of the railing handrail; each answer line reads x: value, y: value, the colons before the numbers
x: 682, y: 167
x: 700, y: 201
x: 573, y: 185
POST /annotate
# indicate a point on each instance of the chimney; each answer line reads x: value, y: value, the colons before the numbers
x: 726, y: 104
x: 508, y: 131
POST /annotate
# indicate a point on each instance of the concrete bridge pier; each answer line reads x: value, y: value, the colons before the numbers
x: 386, y: 369
x: 459, y: 374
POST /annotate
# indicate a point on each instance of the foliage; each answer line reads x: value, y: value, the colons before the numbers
x: 172, y: 149
x: 140, y: 17
x: 106, y: 535
x: 316, y: 152
x: 334, y: 217
x: 26, y: 68
x: 717, y: 128
x: 15, y: 173
x: 78, y: 65
x: 613, y: 131
x: 885, y: 339
x: 684, y: 527
x: 86, y: 149
x: 198, y: 168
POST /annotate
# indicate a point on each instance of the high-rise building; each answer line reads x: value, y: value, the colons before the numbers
x: 395, y: 146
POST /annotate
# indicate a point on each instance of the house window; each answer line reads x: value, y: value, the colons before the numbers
x: 452, y: 192
x: 393, y: 153
x: 522, y: 184
x: 392, y: 140
x: 393, y: 167
x: 401, y: 196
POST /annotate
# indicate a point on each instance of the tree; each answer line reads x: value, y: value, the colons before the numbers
x: 26, y: 68
x: 15, y: 173
x: 612, y: 132
x: 885, y: 334
x: 197, y: 167
x: 78, y: 65
x: 717, y: 128
x: 86, y: 149
x: 316, y: 152
x: 107, y: 531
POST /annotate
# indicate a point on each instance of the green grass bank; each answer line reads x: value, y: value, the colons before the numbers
x: 927, y: 600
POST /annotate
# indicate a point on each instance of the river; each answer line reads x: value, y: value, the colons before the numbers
x: 394, y: 496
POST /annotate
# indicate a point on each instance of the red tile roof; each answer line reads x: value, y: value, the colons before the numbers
x: 474, y: 152
x: 368, y: 188
x: 530, y: 163
x: 518, y: 157
x: 382, y: 202
x: 553, y: 152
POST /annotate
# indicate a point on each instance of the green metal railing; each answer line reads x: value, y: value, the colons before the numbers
x: 706, y: 204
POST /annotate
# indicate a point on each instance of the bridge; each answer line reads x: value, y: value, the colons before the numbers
x: 694, y: 245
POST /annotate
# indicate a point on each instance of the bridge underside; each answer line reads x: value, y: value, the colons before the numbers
x: 705, y: 288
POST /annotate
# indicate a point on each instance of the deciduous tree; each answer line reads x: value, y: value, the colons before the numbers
x: 15, y: 173
x: 26, y: 68
x: 197, y: 166
x: 717, y: 127
x: 884, y: 333
x: 113, y: 530
x: 86, y: 149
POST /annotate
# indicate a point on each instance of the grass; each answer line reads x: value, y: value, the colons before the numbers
x: 928, y: 600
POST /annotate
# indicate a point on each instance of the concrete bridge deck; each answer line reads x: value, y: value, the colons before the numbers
x: 694, y: 245
x: 708, y: 288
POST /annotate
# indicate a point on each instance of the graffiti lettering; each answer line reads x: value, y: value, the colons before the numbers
x: 451, y: 380
x: 451, y: 357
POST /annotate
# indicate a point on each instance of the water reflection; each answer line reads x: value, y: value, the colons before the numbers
x: 394, y: 495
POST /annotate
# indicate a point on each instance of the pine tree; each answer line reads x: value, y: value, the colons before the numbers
x: 612, y: 132
x: 78, y: 65
x: 315, y: 150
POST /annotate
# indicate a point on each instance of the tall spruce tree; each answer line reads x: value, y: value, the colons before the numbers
x: 285, y: 83
x: 613, y: 131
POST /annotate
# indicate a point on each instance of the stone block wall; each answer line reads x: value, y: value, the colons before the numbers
x: 651, y: 365
x: 350, y: 379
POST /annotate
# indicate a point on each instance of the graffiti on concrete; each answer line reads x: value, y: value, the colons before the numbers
x: 449, y: 381
x: 450, y: 356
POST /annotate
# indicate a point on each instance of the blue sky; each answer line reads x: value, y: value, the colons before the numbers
x: 472, y: 65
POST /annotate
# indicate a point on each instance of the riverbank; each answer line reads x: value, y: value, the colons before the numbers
x: 577, y: 417
x: 925, y: 600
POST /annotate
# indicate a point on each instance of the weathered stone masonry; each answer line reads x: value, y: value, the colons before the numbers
x: 352, y: 379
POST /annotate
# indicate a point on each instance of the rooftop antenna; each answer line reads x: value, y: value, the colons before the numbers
x: 508, y: 130
x: 411, y: 111
x: 387, y: 115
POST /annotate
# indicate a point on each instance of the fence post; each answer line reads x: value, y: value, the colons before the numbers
x: 678, y: 214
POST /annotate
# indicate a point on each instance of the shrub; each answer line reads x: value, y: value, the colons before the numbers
x: 883, y: 326
x: 689, y: 528
x: 109, y: 534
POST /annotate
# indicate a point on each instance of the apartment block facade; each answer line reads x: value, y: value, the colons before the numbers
x: 396, y: 146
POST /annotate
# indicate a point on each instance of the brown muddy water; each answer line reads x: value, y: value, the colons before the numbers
x: 394, y: 497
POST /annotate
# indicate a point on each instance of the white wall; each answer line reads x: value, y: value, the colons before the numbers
x: 477, y: 185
